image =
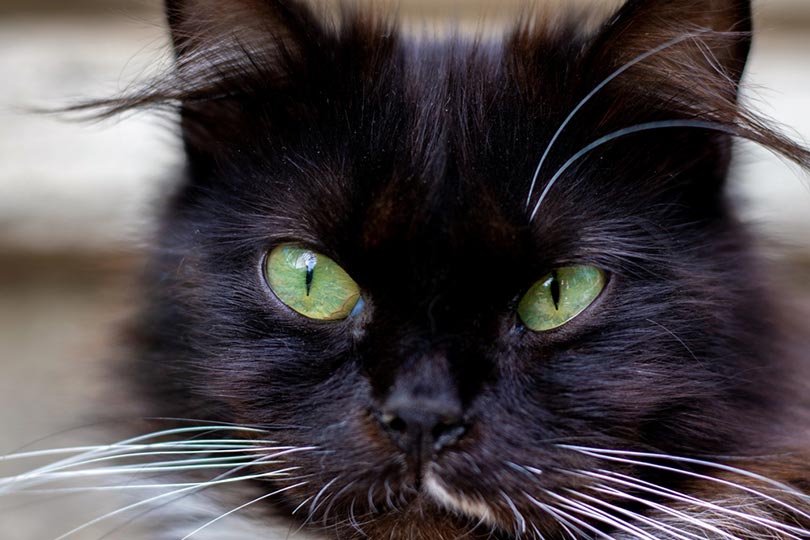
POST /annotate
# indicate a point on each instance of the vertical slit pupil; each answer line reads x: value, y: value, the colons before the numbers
x: 555, y: 290
x: 310, y: 271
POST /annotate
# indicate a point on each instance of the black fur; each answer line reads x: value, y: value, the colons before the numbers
x: 409, y: 163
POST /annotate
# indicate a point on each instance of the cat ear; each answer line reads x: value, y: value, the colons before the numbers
x: 237, y: 59
x: 692, y: 44
x: 203, y: 26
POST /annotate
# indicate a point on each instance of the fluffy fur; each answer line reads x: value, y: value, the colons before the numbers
x: 666, y: 410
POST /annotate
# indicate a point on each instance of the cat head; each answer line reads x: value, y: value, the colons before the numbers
x: 449, y: 267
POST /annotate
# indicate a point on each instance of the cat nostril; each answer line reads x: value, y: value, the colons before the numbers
x: 416, y: 426
x: 397, y: 424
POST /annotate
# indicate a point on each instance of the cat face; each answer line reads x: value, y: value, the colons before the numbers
x: 426, y: 404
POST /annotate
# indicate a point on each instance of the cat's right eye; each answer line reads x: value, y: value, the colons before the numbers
x: 560, y: 296
x: 312, y: 284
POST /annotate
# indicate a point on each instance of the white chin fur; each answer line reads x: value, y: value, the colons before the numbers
x: 456, y: 502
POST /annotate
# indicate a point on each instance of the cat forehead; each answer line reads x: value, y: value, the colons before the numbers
x: 441, y: 144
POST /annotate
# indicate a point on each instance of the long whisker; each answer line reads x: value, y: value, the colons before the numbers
x: 567, y: 525
x: 241, y: 507
x: 221, y: 479
x: 589, y: 511
x: 648, y: 126
x: 782, y: 528
x: 683, y: 516
x: 313, y: 507
x: 334, y: 498
x: 23, y: 483
x: 676, y: 337
x: 680, y: 534
x: 116, y: 471
x: 165, y: 495
x: 741, y: 472
x: 301, y: 505
x: 224, y: 456
x: 115, y: 448
x: 353, y: 518
x: 192, y: 443
x: 564, y: 516
x: 597, y: 89
x: 520, y: 520
x: 607, y: 454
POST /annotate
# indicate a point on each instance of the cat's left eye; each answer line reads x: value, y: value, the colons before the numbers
x: 560, y: 297
x: 312, y: 284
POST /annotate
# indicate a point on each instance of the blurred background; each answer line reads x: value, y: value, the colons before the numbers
x: 77, y: 199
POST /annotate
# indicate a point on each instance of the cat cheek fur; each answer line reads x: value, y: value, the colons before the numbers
x: 411, y: 164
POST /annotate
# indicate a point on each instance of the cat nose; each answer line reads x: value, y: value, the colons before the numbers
x: 422, y: 424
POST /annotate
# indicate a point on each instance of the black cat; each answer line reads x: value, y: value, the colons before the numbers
x: 463, y: 288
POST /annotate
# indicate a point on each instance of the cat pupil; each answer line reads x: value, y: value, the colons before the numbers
x: 555, y: 290
x: 310, y: 262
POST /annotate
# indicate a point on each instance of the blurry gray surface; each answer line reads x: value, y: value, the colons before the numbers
x: 66, y: 185
x: 58, y: 321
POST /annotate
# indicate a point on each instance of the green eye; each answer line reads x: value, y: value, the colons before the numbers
x: 311, y: 284
x: 560, y: 296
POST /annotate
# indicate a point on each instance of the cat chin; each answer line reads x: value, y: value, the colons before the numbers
x: 456, y: 502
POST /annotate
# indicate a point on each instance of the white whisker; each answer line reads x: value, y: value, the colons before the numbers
x: 300, y: 506
x: 110, y: 452
x: 680, y: 534
x: 520, y: 520
x: 241, y: 507
x: 132, y: 441
x: 334, y: 498
x: 541, y: 536
x: 603, y: 453
x: 597, y: 89
x: 563, y: 516
x: 648, y: 126
x: 600, y: 515
x: 192, y: 488
x: 124, y: 487
x: 198, y: 486
x: 735, y: 470
x: 563, y: 523
x: 370, y: 497
x: 126, y: 470
x: 313, y: 507
x: 22, y: 483
x: 781, y: 528
x: 129, y: 445
x: 682, y: 516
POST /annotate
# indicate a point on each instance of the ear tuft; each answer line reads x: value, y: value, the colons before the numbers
x: 229, y: 52
x: 215, y: 40
x: 683, y: 60
x: 198, y: 25
x: 709, y: 42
